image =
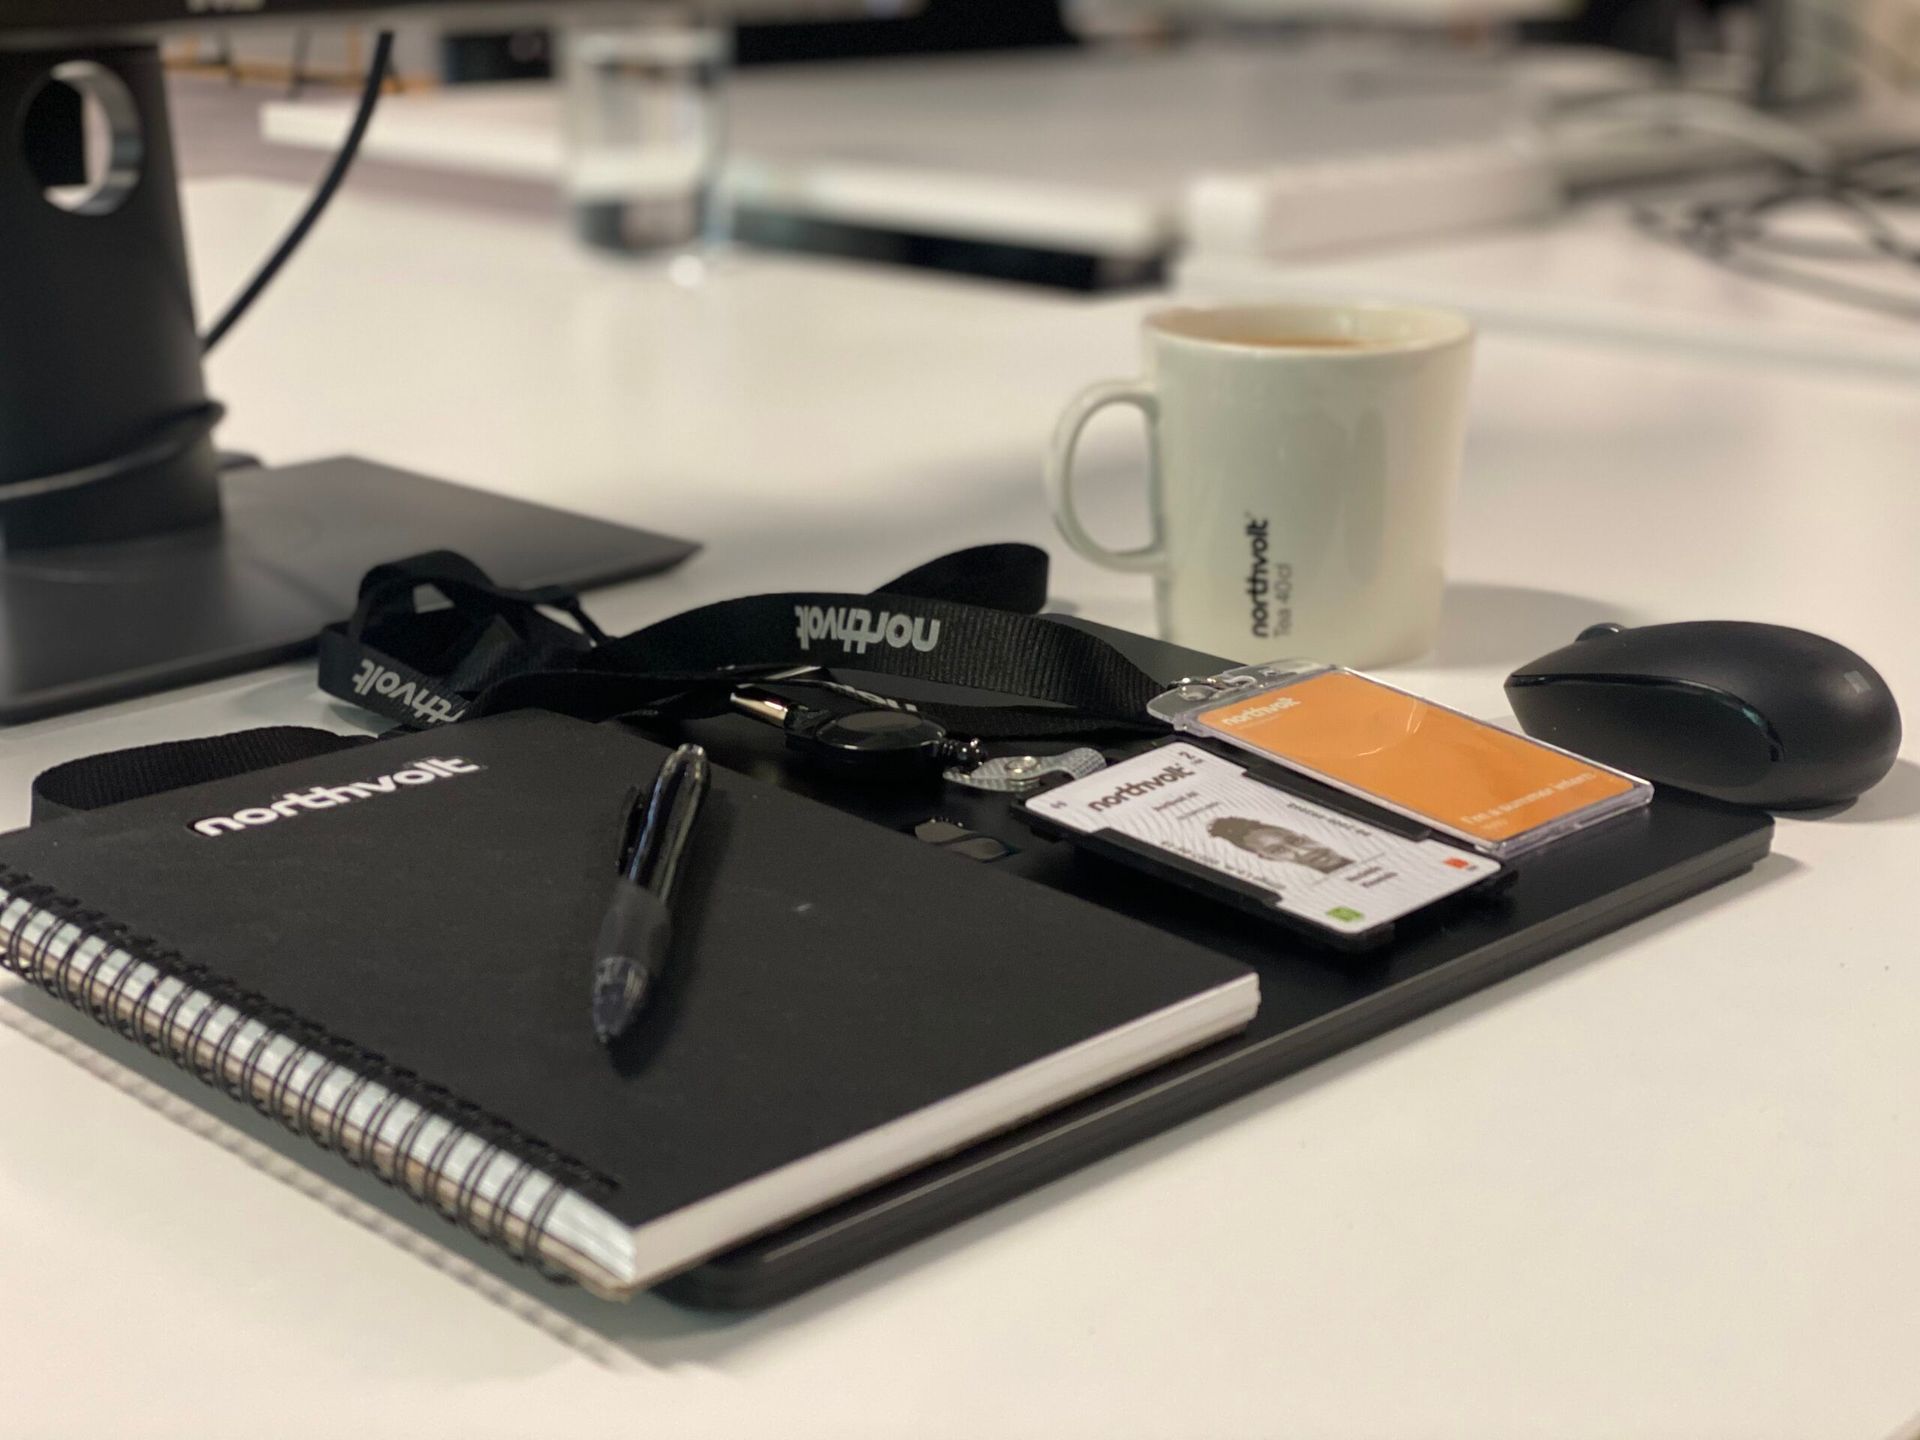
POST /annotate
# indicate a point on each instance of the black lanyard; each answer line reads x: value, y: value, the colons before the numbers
x: 967, y: 620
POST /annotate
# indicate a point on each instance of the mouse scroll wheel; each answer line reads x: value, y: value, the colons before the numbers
x: 1600, y: 631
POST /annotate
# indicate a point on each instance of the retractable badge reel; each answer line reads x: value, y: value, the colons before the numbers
x: 885, y: 744
x: 873, y: 744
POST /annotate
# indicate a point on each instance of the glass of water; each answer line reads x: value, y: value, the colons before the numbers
x: 646, y: 135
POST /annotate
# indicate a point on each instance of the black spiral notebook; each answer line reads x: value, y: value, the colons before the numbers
x: 388, y: 948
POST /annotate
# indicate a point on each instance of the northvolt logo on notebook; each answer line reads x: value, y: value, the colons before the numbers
x: 329, y: 797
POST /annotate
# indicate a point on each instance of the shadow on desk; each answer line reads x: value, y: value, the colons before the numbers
x: 1895, y: 798
x: 650, y: 1334
x: 1508, y: 625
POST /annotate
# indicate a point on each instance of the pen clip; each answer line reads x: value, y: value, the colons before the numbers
x: 633, y: 818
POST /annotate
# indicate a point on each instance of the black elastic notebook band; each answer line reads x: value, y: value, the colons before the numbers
x: 96, y: 781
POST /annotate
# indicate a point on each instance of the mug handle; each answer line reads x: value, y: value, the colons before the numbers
x: 1148, y: 559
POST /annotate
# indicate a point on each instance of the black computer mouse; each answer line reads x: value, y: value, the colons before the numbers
x: 1760, y: 715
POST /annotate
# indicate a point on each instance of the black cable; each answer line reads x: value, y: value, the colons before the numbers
x: 322, y: 197
x: 1736, y: 235
x: 1879, y: 300
x: 172, y: 437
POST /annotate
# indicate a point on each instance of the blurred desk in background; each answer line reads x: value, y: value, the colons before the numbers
x: 1075, y: 169
x: 1593, y: 276
x: 1080, y: 157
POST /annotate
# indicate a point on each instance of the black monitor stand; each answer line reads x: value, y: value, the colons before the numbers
x: 130, y: 561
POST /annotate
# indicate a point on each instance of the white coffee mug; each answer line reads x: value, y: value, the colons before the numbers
x: 1304, y: 459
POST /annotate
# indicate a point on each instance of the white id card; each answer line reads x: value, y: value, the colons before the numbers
x: 1203, y: 821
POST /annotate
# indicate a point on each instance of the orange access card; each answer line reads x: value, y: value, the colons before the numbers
x: 1459, y: 774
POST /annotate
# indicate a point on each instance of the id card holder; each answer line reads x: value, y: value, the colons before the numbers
x: 1501, y: 793
x: 1203, y: 821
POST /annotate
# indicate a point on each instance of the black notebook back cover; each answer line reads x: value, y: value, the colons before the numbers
x: 829, y: 975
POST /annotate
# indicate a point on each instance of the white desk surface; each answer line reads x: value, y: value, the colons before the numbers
x: 1664, y: 1186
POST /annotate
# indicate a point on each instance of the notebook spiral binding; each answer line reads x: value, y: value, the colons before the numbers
x: 474, y: 1169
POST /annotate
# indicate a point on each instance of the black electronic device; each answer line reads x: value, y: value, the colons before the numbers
x: 62, y: 20
x: 1753, y: 714
x: 1314, y: 1004
x: 129, y: 559
x: 1640, y: 27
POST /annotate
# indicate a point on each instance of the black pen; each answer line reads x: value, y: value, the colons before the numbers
x: 631, y: 953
